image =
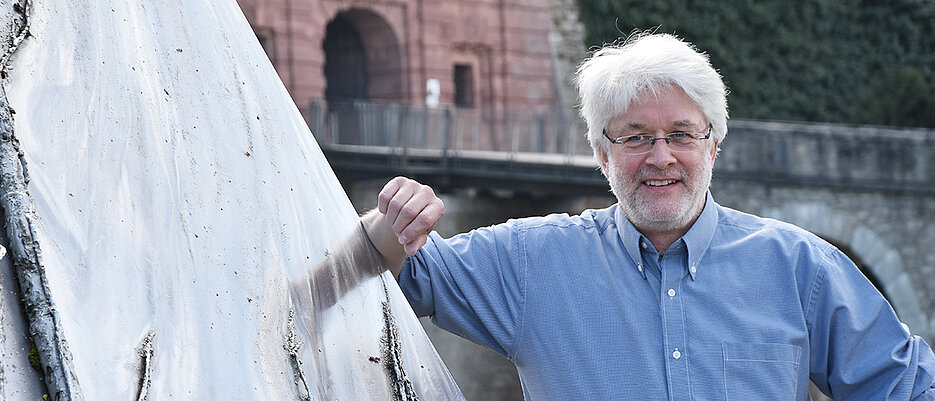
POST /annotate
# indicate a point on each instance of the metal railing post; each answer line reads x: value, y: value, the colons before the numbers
x: 333, y: 127
x: 540, y: 133
x: 446, y: 136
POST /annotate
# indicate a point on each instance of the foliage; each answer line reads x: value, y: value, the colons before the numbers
x: 848, y: 61
x: 34, y: 356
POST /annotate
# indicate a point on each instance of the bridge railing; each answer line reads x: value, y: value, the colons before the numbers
x: 868, y: 157
x: 448, y: 129
x: 813, y: 154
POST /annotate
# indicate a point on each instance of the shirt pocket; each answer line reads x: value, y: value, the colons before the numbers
x: 760, y: 371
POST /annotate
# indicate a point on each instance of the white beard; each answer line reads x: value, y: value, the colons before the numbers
x: 649, y: 216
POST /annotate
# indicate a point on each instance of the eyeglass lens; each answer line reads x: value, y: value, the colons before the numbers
x: 644, y: 144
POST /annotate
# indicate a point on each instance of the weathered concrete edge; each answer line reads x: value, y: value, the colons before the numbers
x: 19, y: 212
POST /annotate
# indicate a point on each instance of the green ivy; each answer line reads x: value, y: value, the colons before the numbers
x: 34, y: 356
x: 845, y: 61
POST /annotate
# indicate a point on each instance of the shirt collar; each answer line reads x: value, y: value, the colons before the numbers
x: 697, y: 239
x: 631, y: 239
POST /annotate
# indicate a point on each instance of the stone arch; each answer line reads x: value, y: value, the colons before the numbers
x: 878, y: 256
x: 360, y: 45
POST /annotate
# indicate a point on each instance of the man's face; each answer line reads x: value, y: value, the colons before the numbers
x: 661, y: 190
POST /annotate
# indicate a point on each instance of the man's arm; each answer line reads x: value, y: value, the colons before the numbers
x: 859, y: 350
x: 406, y: 213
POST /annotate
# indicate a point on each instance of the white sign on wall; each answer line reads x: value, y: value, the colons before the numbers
x: 432, y: 92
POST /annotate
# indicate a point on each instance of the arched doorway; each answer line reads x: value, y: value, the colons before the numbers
x: 363, y: 58
x: 345, y: 63
x: 364, y: 78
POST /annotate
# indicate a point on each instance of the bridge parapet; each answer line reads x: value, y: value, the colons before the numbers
x: 469, y: 147
x: 449, y: 128
x: 870, y: 158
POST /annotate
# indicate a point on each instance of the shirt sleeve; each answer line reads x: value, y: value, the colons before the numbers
x: 472, y: 284
x: 859, y: 349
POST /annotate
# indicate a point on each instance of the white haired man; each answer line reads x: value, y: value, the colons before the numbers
x: 665, y: 295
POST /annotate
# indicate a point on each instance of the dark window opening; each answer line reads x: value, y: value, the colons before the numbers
x: 345, y: 63
x: 464, y: 86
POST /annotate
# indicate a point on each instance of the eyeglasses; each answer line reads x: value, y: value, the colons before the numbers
x: 678, y: 141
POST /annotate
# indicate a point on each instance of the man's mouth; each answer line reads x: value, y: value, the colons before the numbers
x: 659, y: 183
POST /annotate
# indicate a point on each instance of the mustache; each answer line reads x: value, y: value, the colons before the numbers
x: 647, y: 172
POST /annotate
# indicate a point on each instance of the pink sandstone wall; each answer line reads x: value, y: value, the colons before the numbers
x: 409, y: 41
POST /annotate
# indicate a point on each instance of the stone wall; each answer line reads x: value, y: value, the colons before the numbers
x: 504, y: 42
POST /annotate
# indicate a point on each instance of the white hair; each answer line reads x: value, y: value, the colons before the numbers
x: 616, y: 75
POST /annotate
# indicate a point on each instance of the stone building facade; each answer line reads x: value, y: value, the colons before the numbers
x: 488, y: 55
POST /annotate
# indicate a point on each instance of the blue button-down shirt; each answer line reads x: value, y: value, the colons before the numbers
x: 739, y: 308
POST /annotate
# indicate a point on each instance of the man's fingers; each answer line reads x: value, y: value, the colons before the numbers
x: 401, y: 202
x: 423, y: 223
x: 388, y: 192
x: 414, y: 246
x: 416, y: 217
x: 411, y: 211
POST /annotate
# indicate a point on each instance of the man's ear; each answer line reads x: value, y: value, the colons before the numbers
x: 714, y: 151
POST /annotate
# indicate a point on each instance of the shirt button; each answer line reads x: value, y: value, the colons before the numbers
x: 671, y: 293
x: 643, y: 244
x: 692, y: 269
x: 676, y: 354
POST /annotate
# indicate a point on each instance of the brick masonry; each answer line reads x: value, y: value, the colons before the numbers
x: 409, y: 41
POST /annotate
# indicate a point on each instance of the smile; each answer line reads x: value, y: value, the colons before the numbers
x: 659, y: 183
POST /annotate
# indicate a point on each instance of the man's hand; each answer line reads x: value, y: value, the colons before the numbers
x: 411, y: 209
x: 407, y: 212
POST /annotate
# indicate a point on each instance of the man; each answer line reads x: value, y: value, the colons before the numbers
x: 666, y: 295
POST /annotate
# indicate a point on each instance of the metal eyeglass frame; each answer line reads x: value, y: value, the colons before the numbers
x: 652, y: 141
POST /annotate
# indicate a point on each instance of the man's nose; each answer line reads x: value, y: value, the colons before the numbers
x: 660, y: 156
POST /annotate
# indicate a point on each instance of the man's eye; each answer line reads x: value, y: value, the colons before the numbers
x: 679, y: 135
x: 634, y: 139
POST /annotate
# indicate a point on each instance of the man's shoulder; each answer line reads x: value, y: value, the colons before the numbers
x: 589, y: 219
x: 733, y: 222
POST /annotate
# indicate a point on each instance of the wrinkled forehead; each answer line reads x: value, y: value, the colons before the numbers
x: 668, y: 108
